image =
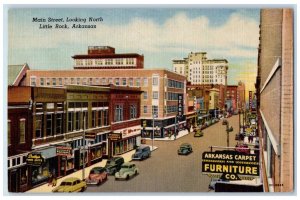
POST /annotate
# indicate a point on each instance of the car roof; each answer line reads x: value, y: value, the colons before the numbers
x: 127, y: 164
x: 185, y: 144
x: 71, y: 179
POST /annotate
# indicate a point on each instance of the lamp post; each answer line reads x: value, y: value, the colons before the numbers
x: 154, y: 115
x: 228, y: 130
x: 83, y: 153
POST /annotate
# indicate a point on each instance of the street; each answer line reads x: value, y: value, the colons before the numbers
x: 165, y: 171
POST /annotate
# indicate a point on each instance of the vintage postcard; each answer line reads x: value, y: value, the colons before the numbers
x: 104, y: 99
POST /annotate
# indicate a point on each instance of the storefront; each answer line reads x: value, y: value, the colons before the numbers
x: 17, y: 173
x: 40, y: 172
x: 124, y: 140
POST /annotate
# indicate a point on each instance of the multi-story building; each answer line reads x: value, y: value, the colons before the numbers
x: 276, y: 99
x: 160, y: 87
x: 241, y: 94
x: 200, y: 70
x: 231, y: 97
x: 104, y: 57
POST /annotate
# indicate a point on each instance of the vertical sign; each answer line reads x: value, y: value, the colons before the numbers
x: 250, y: 101
x: 180, y: 105
x: 195, y: 103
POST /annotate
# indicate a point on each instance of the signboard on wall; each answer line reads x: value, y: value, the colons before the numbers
x: 63, y: 151
x: 180, y: 105
x: 34, y: 159
x: 231, y: 165
x: 115, y: 136
x: 250, y: 100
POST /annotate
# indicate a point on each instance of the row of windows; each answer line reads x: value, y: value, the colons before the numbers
x: 92, y: 81
x: 154, y: 109
x: 119, y: 112
x: 103, y: 62
x: 175, y: 84
x: 172, y: 109
x: 172, y: 96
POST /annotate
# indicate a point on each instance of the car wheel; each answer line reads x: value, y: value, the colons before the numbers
x: 127, y: 177
x: 135, y: 173
x: 83, y: 189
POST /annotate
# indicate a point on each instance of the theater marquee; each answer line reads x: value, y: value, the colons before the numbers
x: 231, y: 165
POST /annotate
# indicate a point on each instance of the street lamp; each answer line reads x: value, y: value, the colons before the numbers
x: 228, y: 130
x: 83, y: 153
x: 154, y: 115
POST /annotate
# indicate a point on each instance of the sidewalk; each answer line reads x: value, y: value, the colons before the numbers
x: 45, y: 188
x: 180, y: 134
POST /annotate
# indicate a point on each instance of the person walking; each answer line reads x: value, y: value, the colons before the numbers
x: 50, y: 179
x: 54, y: 181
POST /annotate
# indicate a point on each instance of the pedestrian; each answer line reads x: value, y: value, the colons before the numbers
x: 54, y: 181
x: 50, y: 179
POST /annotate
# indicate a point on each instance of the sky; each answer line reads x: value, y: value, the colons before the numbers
x: 160, y: 34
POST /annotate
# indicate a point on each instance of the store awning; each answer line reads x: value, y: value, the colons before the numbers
x: 48, y: 152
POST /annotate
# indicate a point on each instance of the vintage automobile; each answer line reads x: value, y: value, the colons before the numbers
x: 127, y: 171
x: 198, y: 133
x: 71, y: 185
x: 185, y: 149
x: 113, y: 165
x: 141, y: 153
x: 242, y: 148
x: 97, y: 176
x: 224, y: 122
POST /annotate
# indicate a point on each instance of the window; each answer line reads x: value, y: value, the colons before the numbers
x: 97, y: 81
x: 84, y: 81
x: 42, y: 81
x: 110, y: 81
x: 119, y: 61
x: 78, y: 81
x: 8, y: 132
x: 108, y: 61
x: 89, y: 62
x: 70, y: 121
x: 49, y: 124
x: 77, y: 120
x: 38, y: 126
x: 133, y: 111
x: 98, y: 62
x: 129, y: 61
x: 22, y: 131
x: 59, y: 123
x: 90, y: 81
x: 72, y: 80
x: 118, y: 113
x: 117, y: 81
x: 32, y: 81
x: 145, y: 109
x: 131, y: 82
x: 105, y: 117
x: 48, y: 81
x: 59, y: 81
x: 138, y: 82
x: 154, y: 109
x: 94, y: 118
x: 53, y: 81
x: 155, y: 81
x: 124, y: 81
x: 85, y: 119
x: 145, y: 95
x: 145, y: 82
x: 155, y: 95
x: 99, y: 118
x: 103, y: 81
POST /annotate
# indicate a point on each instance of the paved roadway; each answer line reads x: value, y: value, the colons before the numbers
x: 165, y: 171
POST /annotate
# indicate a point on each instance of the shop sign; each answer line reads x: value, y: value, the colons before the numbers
x: 90, y: 136
x: 250, y: 100
x: 34, y: 159
x: 64, y: 151
x: 180, y: 105
x: 115, y: 136
x: 231, y: 165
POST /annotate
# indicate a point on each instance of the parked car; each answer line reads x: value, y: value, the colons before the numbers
x: 97, y: 176
x: 242, y: 148
x: 71, y: 185
x: 224, y: 122
x: 141, y: 153
x: 212, y: 184
x: 185, y: 149
x: 127, y: 171
x: 198, y: 133
x: 113, y: 165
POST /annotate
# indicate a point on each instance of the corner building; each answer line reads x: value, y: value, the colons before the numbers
x: 160, y: 89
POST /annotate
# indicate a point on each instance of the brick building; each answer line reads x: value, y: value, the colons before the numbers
x: 275, y: 99
x: 160, y: 90
x: 104, y: 57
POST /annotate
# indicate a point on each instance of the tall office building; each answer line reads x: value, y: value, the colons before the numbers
x: 200, y: 70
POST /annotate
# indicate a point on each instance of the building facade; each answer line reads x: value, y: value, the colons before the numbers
x: 231, y: 98
x: 275, y: 99
x: 104, y: 57
x: 160, y: 87
x: 200, y: 70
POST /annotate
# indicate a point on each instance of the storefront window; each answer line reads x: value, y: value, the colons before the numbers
x: 49, y: 124
x: 24, y: 175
